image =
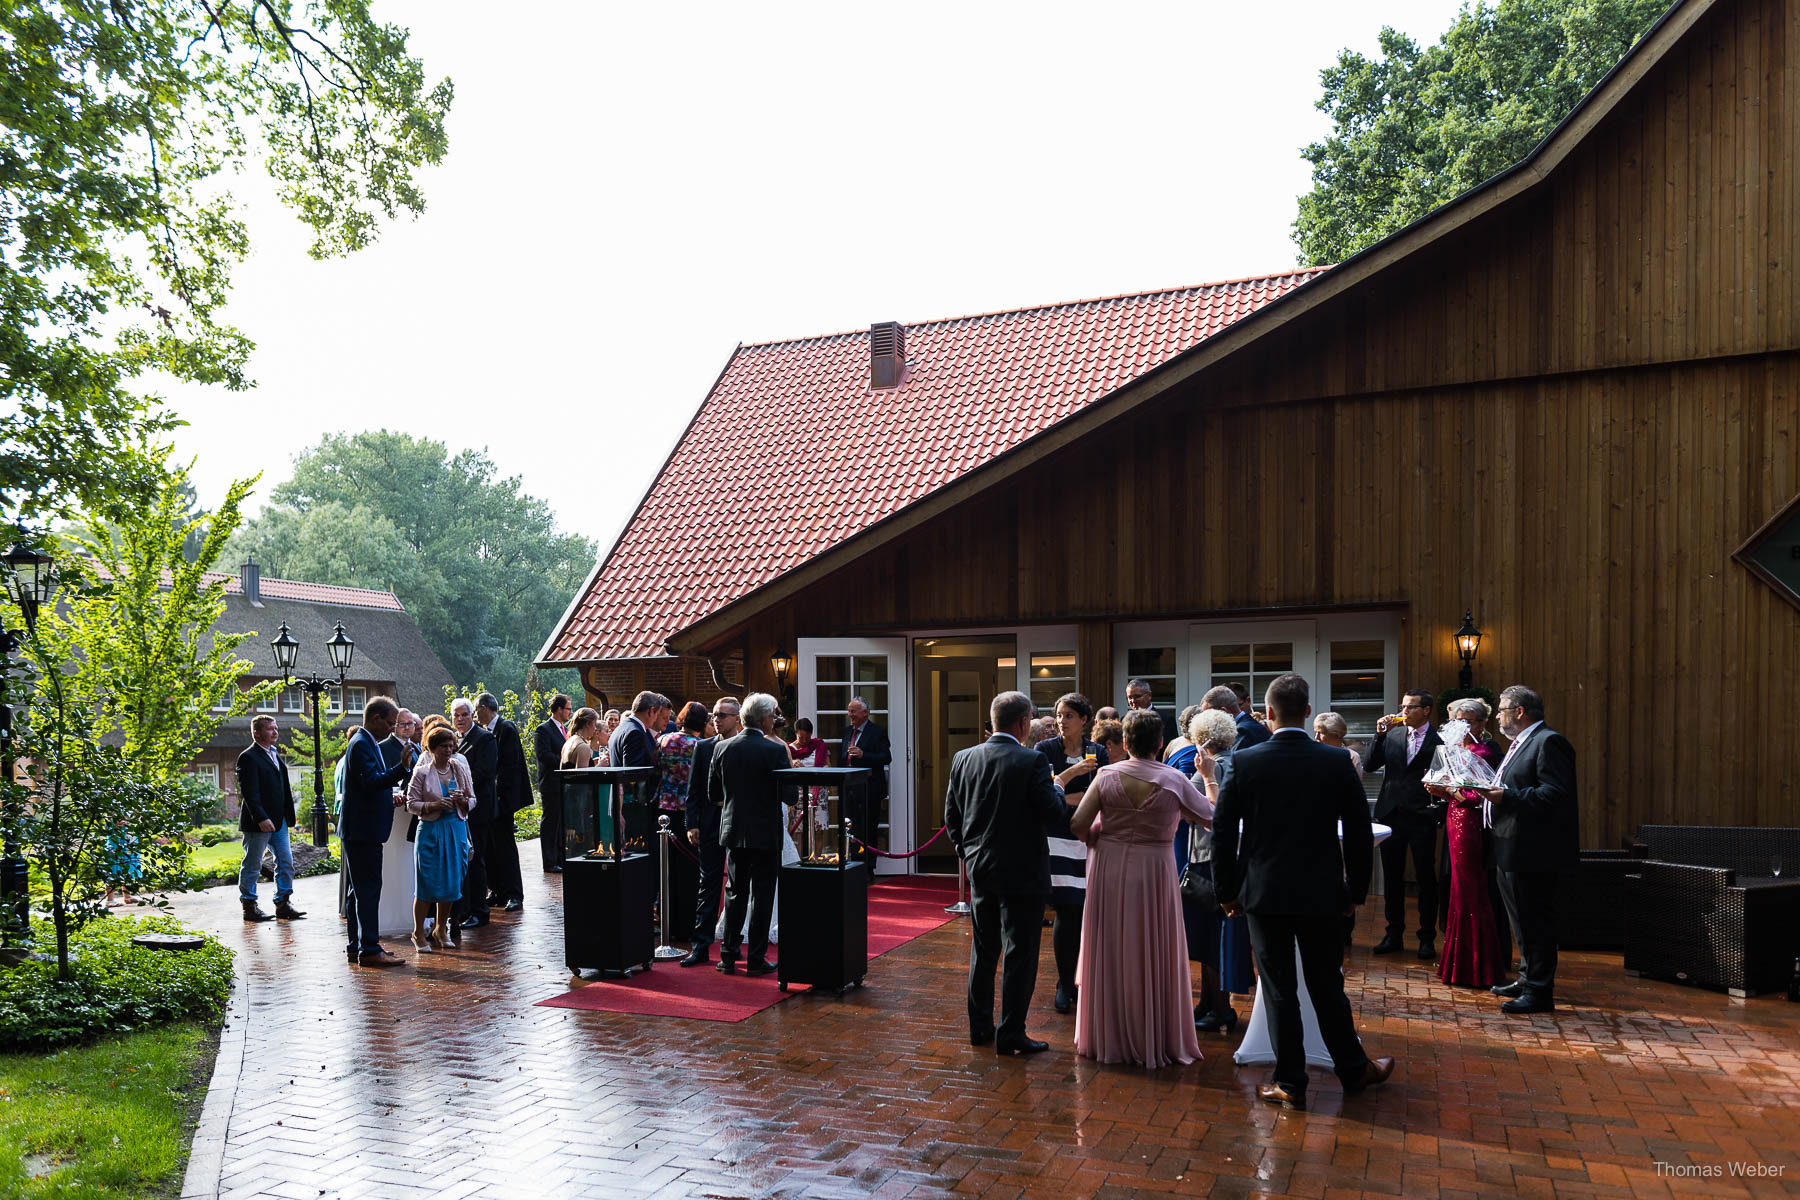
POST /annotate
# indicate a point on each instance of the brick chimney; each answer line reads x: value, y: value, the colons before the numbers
x: 250, y: 578
x: 887, y: 354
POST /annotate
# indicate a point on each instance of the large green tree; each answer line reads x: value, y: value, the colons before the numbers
x: 120, y: 122
x: 1413, y: 128
x: 479, y: 564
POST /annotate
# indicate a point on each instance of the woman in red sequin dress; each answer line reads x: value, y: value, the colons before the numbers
x: 1472, y: 955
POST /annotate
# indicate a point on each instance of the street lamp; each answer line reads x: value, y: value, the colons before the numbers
x: 287, y: 652
x: 781, y: 663
x: 1468, y: 641
x: 32, y: 581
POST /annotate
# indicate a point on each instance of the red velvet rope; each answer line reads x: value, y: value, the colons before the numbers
x: 912, y: 854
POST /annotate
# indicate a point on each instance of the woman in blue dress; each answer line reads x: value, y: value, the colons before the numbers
x: 440, y: 795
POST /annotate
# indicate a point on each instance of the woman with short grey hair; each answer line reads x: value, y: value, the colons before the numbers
x: 1331, y: 729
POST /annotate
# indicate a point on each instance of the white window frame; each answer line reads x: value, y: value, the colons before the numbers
x: 1150, y: 635
x: 1046, y: 639
x: 208, y: 771
x: 271, y: 703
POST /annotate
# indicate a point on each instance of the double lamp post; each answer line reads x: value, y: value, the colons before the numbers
x: 32, y: 579
x: 287, y: 651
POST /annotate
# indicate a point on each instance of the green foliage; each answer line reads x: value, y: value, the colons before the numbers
x: 110, y: 1118
x: 526, y: 712
x: 334, y: 743
x: 115, y: 987
x: 122, y: 121
x: 527, y: 822
x: 213, y: 835
x: 1414, y: 128
x: 205, y: 802
x: 135, y: 652
x: 477, y: 562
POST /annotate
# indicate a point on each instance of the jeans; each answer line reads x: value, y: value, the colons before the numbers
x: 254, y: 842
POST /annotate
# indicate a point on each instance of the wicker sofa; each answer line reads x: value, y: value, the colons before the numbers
x: 1704, y: 907
x: 1590, y: 899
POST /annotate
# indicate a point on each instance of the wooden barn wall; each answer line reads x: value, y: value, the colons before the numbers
x: 1589, y: 521
x: 1671, y: 234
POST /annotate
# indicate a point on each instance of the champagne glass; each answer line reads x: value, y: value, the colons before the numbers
x: 1775, y: 865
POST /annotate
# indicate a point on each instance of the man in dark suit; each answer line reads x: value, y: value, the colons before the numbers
x: 1297, y: 882
x: 1251, y: 732
x: 546, y: 746
x: 1402, y: 752
x: 265, y: 817
x: 1536, y: 813
x: 1140, y: 698
x: 633, y: 743
x: 482, y: 752
x: 865, y: 744
x: 506, y: 881
x: 364, y: 822
x: 703, y: 830
x: 741, y: 784
x: 1001, y: 804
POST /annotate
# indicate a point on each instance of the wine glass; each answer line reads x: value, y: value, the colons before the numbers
x: 1775, y: 865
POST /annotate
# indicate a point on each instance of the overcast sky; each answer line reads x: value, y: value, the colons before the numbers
x: 634, y: 189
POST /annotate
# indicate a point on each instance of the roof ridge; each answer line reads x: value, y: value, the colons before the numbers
x: 1047, y: 307
x: 266, y: 579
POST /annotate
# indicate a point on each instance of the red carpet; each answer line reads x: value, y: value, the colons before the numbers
x: 900, y: 910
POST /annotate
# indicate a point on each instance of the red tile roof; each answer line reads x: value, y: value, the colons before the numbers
x: 797, y: 448
x: 316, y: 593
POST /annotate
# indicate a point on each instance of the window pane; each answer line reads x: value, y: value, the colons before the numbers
x: 1275, y: 658
x: 1351, y: 686
x: 834, y: 697
x: 1358, y: 656
x: 874, y: 695
x: 1230, y: 660
x: 1147, y: 660
x: 832, y: 669
x: 830, y: 726
x: 1053, y: 666
x: 1044, y: 694
x: 872, y: 670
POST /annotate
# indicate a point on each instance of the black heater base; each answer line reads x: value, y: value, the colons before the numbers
x: 824, y: 927
x: 606, y: 914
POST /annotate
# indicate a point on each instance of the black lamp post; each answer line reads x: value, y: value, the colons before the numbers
x: 1468, y: 641
x: 33, y: 580
x: 287, y: 652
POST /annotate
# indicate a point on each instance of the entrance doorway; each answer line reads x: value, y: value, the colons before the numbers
x: 956, y: 681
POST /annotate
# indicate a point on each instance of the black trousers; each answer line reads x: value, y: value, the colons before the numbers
x: 362, y: 896
x: 505, y: 877
x: 1497, y: 898
x: 550, y: 830
x: 1065, y: 940
x: 1531, y: 906
x: 1418, y: 833
x: 710, y: 888
x: 751, y: 887
x: 1005, y: 931
x: 1320, y: 940
x: 475, y: 878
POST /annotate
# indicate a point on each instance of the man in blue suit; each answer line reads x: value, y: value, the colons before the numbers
x: 366, y: 819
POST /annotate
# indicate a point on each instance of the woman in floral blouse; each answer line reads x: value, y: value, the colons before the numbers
x: 675, y: 763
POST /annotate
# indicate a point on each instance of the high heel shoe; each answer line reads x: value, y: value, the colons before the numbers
x: 423, y: 945
x: 1216, y: 1022
x: 436, y: 938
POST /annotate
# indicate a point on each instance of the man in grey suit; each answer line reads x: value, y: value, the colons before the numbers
x: 741, y: 784
x: 1001, y: 805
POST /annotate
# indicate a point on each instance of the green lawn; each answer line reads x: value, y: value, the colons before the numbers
x: 222, y: 859
x: 111, y: 1119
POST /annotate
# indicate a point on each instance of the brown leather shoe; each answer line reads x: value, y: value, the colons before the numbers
x: 1275, y: 1094
x: 1375, y: 1071
x: 380, y: 958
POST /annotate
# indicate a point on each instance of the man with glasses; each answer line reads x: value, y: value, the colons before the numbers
x: 703, y: 830
x: 741, y: 785
x: 1402, y: 752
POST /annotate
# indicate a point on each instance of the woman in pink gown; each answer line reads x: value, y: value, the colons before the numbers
x: 1472, y: 955
x: 1135, y: 998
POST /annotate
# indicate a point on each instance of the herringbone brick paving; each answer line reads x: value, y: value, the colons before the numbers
x: 443, y: 1080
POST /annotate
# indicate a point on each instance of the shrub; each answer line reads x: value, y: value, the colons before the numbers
x: 206, y: 803
x: 528, y: 821
x: 117, y: 987
x: 213, y: 835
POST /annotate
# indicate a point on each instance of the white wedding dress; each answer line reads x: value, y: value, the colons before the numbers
x: 790, y: 855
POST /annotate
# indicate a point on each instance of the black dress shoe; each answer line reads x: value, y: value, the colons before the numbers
x: 1387, y: 945
x: 1279, y: 1096
x: 513, y: 906
x: 553, y: 869
x: 287, y: 912
x: 759, y: 966
x: 982, y: 1039
x: 1427, y: 951
x: 495, y: 900
x: 1527, y: 1003
x: 1225, y: 1022
x: 727, y: 965
x: 1065, y: 998
x: 472, y: 921
x: 1020, y: 1046
x: 1508, y: 990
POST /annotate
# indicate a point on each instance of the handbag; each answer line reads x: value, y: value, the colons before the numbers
x: 1197, y: 886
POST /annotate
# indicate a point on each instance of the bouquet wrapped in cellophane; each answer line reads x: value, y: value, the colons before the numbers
x: 1454, y: 765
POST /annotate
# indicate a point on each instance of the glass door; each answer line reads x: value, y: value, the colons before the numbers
x: 956, y: 681
x: 835, y: 671
x: 1253, y: 654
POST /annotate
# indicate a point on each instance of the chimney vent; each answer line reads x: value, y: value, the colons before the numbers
x: 250, y: 577
x: 887, y: 354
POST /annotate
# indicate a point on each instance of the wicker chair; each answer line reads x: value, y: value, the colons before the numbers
x: 1590, y: 900
x: 1705, y: 909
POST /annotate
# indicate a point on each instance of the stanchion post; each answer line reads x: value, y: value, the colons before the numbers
x: 663, y: 834
x: 961, y: 907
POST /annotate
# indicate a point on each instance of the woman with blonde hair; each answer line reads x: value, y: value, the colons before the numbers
x: 578, y: 750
